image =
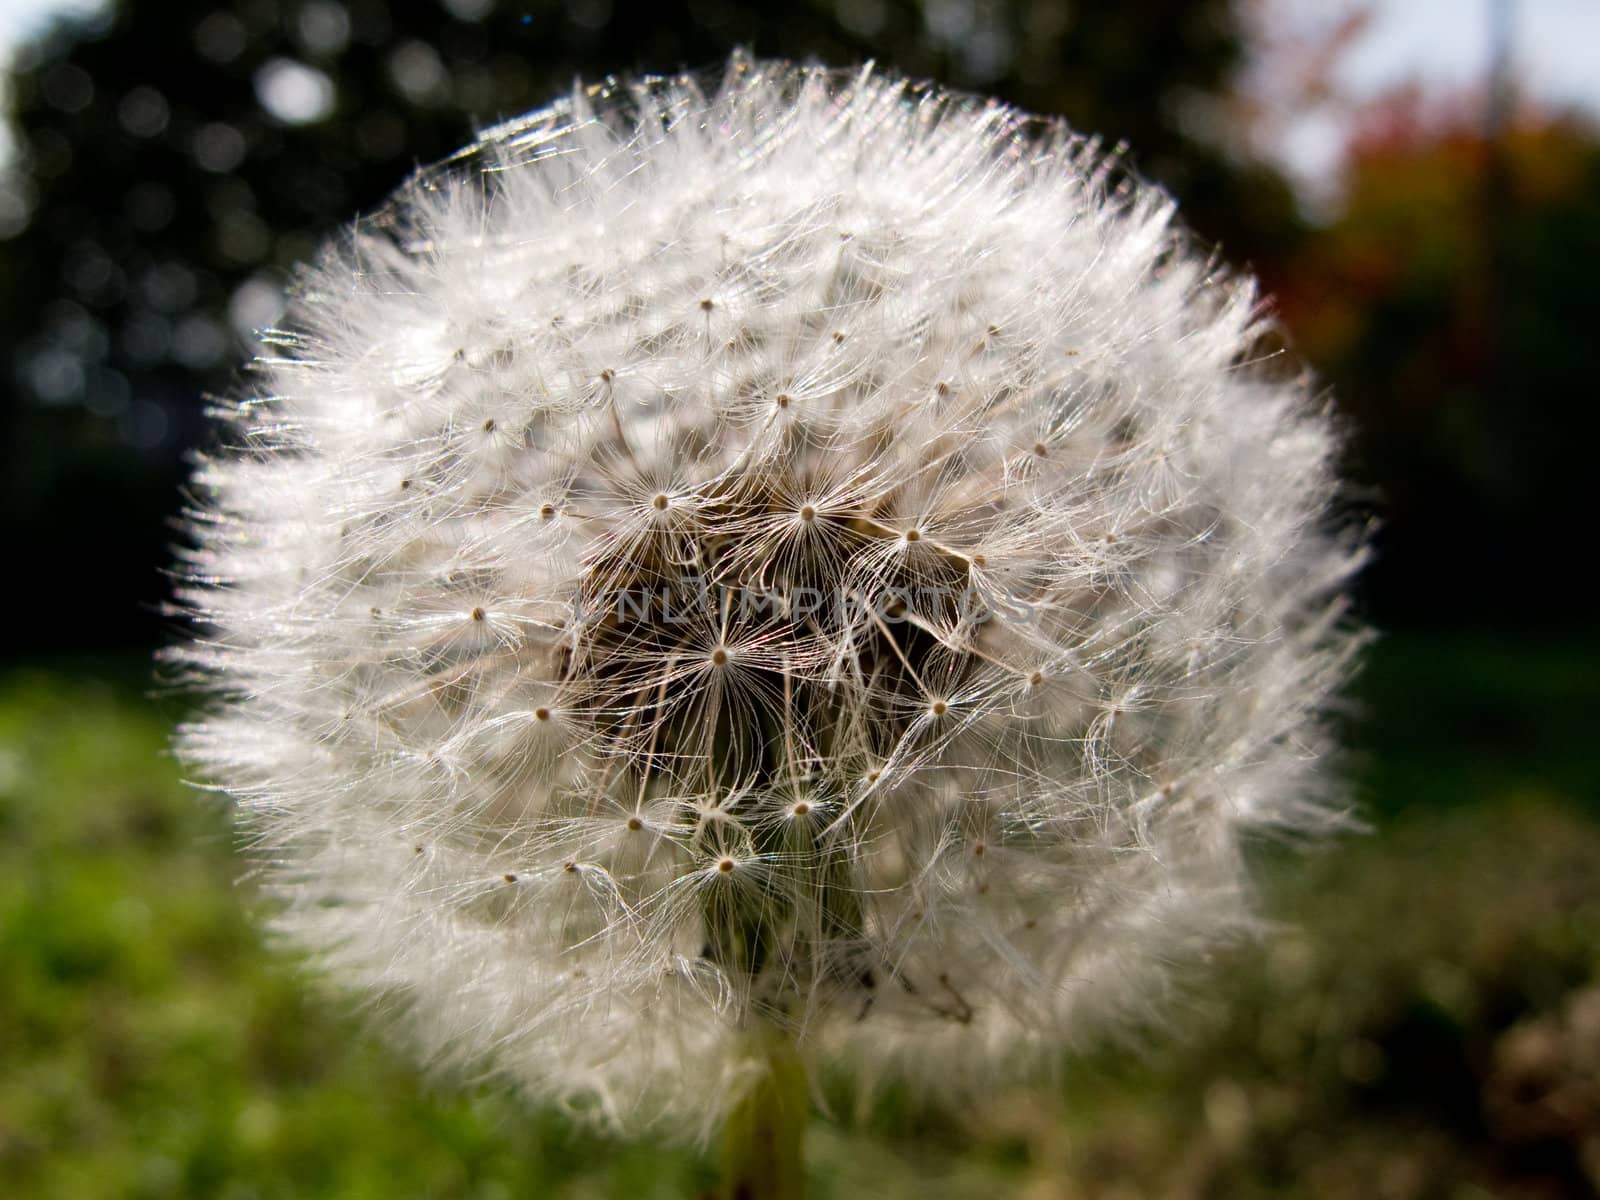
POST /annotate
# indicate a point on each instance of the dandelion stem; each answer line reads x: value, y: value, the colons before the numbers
x: 763, y: 1139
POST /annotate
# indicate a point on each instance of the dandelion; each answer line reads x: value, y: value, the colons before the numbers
x: 815, y: 564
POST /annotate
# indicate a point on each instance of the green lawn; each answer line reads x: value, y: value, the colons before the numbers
x: 1425, y: 1024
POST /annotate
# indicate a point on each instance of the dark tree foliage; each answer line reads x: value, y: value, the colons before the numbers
x: 1450, y: 304
x: 179, y: 159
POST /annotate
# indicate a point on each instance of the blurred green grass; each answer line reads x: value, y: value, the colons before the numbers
x: 1425, y: 1022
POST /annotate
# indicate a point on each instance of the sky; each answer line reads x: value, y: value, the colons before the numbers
x: 19, y: 17
x: 1443, y: 44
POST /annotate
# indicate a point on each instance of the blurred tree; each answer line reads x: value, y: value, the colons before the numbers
x: 1451, y: 303
x: 178, y: 156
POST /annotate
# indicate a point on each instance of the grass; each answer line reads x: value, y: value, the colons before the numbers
x: 1426, y: 1024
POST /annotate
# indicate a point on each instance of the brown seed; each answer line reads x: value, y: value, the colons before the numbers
x: 661, y: 501
x: 913, y: 535
x: 939, y: 708
x: 478, y: 614
x: 801, y: 809
x: 488, y: 426
x: 707, y: 304
x: 607, y: 375
x: 510, y: 878
x: 635, y: 824
x: 719, y: 657
x: 781, y: 400
x: 546, y: 511
x: 541, y: 714
x: 807, y: 513
x: 725, y: 865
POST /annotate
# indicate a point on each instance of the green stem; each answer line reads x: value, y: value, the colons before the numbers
x: 762, y: 1141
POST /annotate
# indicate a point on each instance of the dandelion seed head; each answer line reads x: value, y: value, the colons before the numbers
x: 813, y: 553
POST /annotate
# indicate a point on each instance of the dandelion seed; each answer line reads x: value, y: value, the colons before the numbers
x: 908, y: 661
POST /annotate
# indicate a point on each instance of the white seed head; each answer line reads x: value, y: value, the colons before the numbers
x: 819, y: 554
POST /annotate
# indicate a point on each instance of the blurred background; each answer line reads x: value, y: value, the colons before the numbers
x: 1418, y: 184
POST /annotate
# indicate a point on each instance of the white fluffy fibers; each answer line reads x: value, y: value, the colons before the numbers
x: 819, y: 554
